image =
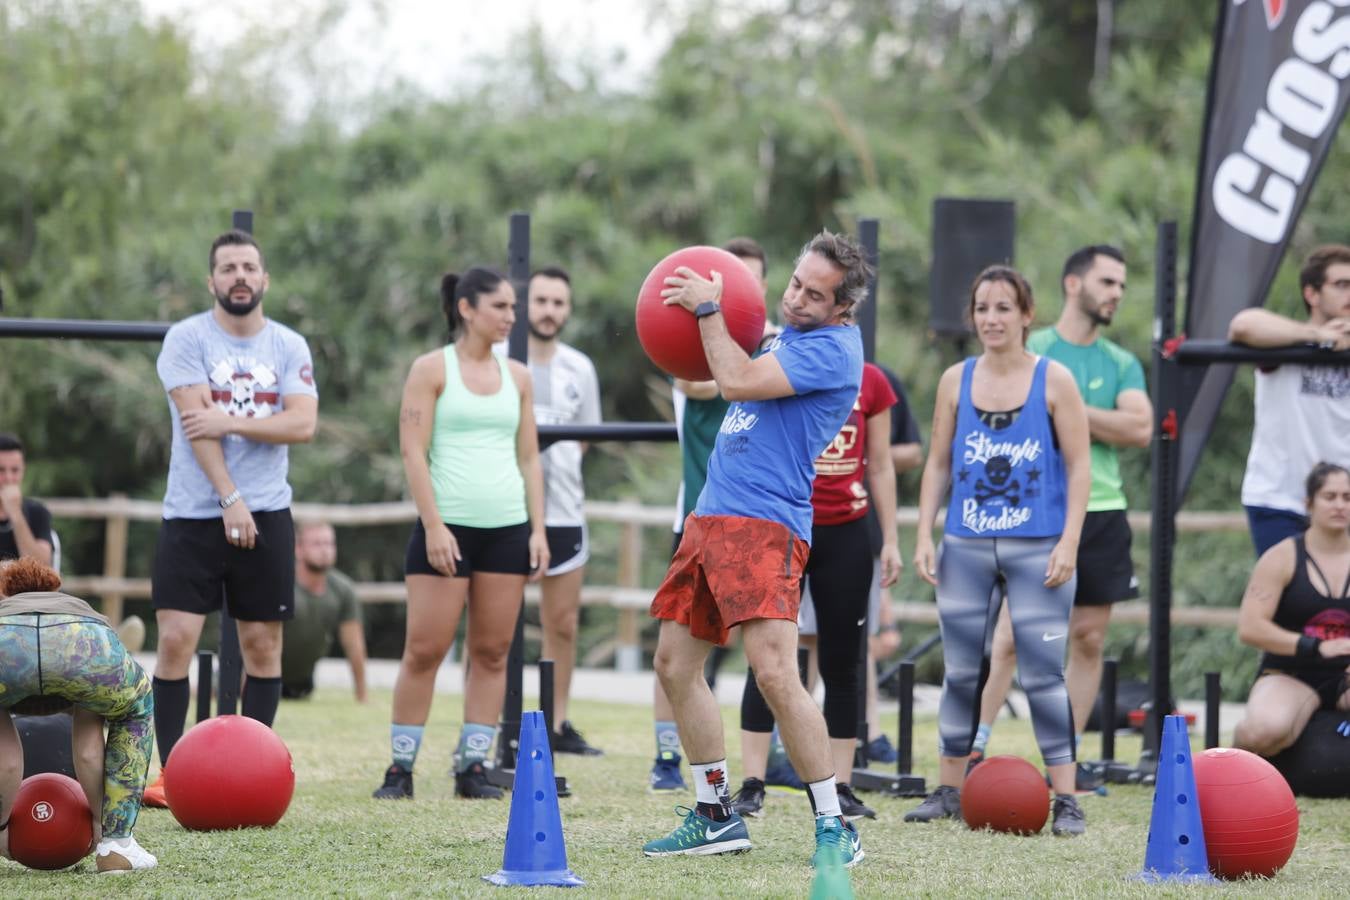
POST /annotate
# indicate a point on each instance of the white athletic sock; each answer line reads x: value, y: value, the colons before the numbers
x: 824, y: 797
x: 710, y: 783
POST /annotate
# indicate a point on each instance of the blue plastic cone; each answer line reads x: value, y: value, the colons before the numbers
x: 1176, y: 838
x: 831, y: 882
x: 535, y: 851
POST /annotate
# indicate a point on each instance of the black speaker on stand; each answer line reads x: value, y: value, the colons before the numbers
x: 968, y: 235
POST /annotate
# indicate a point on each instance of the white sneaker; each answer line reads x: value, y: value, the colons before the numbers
x: 116, y: 855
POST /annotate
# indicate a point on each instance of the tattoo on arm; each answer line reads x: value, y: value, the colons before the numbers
x: 410, y: 416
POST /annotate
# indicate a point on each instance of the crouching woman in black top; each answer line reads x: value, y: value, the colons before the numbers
x: 1297, y: 609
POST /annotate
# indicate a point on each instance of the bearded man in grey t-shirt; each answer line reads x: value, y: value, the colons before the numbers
x: 241, y: 390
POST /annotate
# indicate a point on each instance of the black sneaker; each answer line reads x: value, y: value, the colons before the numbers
x: 568, y: 740
x: 397, y: 784
x: 473, y: 784
x: 943, y: 803
x: 853, y: 808
x: 749, y: 800
x: 1087, y: 778
x: 1069, y: 820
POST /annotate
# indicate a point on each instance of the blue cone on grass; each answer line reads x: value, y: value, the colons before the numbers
x: 535, y: 851
x: 1176, y: 836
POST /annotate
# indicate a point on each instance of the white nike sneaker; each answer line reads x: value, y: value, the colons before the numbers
x: 117, y: 855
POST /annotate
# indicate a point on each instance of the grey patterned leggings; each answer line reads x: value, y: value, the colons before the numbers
x: 970, y: 574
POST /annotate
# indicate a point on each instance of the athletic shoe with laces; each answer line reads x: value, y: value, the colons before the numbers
x: 1087, y: 779
x: 853, y: 808
x: 1068, y: 820
x: 701, y: 836
x: 117, y: 855
x: 154, y: 794
x: 882, y: 750
x: 943, y: 803
x: 666, y: 775
x: 398, y: 784
x: 473, y: 784
x: 837, y: 841
x: 749, y: 800
x: 568, y: 740
x: 976, y: 757
x: 781, y: 774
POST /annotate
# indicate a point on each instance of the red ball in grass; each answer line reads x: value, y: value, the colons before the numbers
x: 670, y: 335
x: 229, y: 772
x: 1006, y: 793
x: 50, y: 826
x: 1247, y: 811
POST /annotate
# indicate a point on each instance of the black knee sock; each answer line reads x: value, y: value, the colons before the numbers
x: 261, y: 696
x: 171, y: 708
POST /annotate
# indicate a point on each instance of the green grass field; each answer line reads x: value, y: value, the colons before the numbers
x: 336, y: 841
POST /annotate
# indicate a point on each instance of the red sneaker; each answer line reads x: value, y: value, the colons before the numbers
x: 154, y: 794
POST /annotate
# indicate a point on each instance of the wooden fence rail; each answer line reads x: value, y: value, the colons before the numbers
x: 630, y: 597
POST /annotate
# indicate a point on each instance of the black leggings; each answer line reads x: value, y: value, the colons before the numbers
x: 839, y: 574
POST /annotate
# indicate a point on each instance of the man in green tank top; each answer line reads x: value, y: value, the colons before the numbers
x: 1111, y: 381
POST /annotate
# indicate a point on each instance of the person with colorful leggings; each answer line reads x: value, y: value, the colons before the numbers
x: 57, y: 653
x: 1010, y: 437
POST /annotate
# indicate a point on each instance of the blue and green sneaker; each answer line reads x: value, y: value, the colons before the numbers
x: 701, y: 836
x: 837, y: 842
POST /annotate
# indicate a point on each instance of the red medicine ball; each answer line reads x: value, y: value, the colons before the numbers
x: 670, y: 334
x: 229, y: 772
x: 1247, y: 811
x: 1006, y: 793
x: 50, y: 826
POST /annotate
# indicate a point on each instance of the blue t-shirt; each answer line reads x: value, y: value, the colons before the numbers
x: 1007, y: 482
x: 247, y: 377
x: 762, y: 465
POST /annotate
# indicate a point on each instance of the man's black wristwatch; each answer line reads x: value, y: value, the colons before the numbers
x: 707, y: 308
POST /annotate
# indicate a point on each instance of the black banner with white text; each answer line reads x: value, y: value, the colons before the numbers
x: 1277, y: 95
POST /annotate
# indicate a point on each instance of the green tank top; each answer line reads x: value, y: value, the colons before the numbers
x: 473, y: 452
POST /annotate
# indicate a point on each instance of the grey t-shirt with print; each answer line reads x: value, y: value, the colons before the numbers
x: 247, y: 377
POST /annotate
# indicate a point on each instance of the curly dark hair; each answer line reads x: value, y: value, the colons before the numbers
x: 19, y: 576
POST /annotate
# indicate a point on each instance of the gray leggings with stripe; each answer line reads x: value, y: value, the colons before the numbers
x: 970, y: 574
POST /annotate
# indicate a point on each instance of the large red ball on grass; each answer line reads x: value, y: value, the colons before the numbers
x: 1247, y: 811
x: 1006, y: 793
x: 229, y: 772
x: 50, y: 826
x: 670, y: 334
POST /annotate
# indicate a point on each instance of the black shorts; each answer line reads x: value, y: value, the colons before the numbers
x: 1329, y: 684
x: 194, y: 562
x: 568, y: 548
x: 1105, y: 570
x: 505, y: 550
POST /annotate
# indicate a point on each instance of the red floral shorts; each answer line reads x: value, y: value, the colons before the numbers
x: 729, y: 570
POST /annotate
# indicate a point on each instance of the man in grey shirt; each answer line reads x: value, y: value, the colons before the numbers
x: 241, y: 389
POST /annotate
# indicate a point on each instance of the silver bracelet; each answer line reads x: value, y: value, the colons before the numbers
x: 231, y: 499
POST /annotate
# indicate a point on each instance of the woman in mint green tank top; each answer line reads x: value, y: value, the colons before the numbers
x: 471, y: 454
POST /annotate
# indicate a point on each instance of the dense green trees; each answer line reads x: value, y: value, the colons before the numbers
x: 122, y: 153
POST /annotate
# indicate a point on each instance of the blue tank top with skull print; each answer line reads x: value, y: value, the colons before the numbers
x: 1006, y: 482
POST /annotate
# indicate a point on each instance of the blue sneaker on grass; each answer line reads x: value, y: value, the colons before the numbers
x: 881, y: 750
x: 666, y: 774
x: 700, y: 836
x: 837, y: 843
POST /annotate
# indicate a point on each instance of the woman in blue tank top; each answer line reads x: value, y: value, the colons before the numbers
x: 471, y: 454
x: 1010, y: 438
x: 1297, y: 609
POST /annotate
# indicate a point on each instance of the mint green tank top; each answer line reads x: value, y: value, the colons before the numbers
x: 473, y: 452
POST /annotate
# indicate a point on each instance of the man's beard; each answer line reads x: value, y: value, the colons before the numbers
x: 545, y: 337
x: 1093, y: 310
x: 235, y: 309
